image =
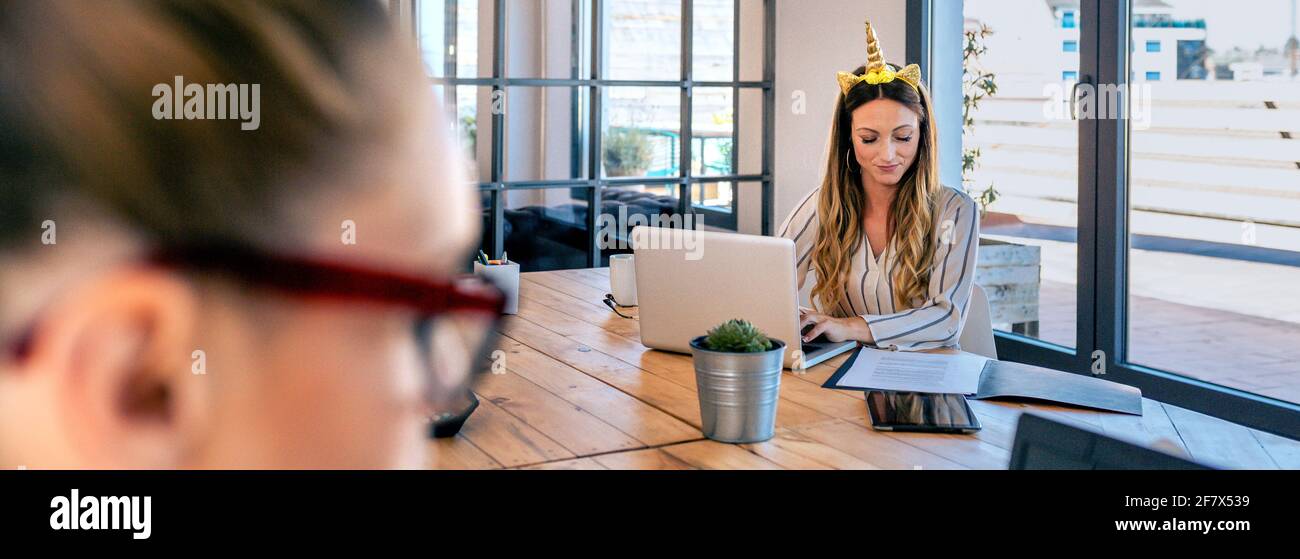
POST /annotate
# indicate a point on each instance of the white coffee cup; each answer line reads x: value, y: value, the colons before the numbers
x: 622, y: 279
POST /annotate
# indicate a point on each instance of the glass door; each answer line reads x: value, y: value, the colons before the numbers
x: 1021, y: 161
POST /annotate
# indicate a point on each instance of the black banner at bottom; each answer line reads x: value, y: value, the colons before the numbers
x: 165, y: 509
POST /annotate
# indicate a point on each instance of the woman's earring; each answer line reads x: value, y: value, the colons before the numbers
x: 848, y: 157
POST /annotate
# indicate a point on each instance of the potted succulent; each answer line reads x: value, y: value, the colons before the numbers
x: 738, y: 378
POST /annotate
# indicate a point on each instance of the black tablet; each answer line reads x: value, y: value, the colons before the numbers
x: 916, y: 411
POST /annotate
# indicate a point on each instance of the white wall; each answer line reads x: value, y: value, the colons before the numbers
x: 815, y: 39
x: 749, y: 148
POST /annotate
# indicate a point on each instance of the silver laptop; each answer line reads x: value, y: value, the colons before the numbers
x: 689, y: 281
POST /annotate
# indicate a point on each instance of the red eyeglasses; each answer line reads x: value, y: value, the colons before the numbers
x: 456, y: 323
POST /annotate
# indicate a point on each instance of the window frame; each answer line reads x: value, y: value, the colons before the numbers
x: 588, y: 36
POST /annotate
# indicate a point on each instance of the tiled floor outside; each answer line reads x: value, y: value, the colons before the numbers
x: 1257, y: 354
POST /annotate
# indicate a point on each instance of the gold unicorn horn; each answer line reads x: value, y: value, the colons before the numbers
x: 875, y: 60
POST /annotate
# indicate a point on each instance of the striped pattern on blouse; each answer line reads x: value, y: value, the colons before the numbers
x: 933, y: 322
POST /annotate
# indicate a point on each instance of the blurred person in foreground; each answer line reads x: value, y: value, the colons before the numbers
x: 193, y: 293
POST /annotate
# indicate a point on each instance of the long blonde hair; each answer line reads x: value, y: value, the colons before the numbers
x: 841, y: 204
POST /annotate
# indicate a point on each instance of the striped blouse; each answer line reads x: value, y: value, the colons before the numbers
x: 933, y: 322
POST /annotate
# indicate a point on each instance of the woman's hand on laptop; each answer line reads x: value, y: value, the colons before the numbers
x: 835, y: 329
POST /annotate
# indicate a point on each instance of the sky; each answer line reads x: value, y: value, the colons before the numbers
x: 1244, y: 23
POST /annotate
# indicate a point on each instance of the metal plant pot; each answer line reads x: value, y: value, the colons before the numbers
x: 738, y: 392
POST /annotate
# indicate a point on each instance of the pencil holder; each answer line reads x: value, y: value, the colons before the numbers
x: 506, y: 278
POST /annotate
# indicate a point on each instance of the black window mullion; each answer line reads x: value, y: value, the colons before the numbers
x: 735, y: 113
x: 498, y: 73
x: 769, y: 109
x: 409, y: 9
x: 920, y: 28
x: 1088, y: 233
x: 498, y: 127
x: 450, y: 20
x: 594, y: 158
x: 687, y: 142
x: 1110, y: 315
x: 575, y: 94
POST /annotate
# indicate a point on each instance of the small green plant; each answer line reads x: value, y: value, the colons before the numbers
x: 627, y: 152
x: 724, y: 152
x: 976, y: 85
x: 737, y: 336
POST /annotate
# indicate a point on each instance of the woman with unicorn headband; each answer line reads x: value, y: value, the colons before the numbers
x: 893, y: 251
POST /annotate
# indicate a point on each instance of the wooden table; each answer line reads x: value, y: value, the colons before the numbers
x: 581, y: 392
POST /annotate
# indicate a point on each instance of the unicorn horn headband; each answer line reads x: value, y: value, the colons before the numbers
x: 878, y: 71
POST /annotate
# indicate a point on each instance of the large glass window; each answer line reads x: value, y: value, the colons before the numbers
x: 1214, y: 210
x: 1157, y: 182
x: 642, y: 132
x: 449, y: 39
x: 1020, y: 161
x: 644, y: 39
x: 666, y: 118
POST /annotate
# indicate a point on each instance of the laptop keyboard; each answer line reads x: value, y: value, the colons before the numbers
x: 819, y: 343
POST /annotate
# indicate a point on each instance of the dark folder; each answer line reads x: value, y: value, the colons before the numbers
x: 1005, y: 379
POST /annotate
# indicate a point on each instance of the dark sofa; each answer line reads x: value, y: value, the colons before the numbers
x: 555, y: 238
